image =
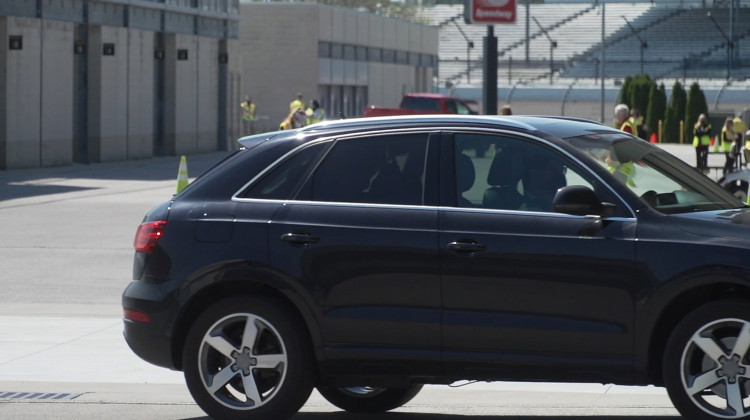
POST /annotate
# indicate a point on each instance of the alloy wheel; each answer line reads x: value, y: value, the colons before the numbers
x: 242, y: 361
x: 716, y: 369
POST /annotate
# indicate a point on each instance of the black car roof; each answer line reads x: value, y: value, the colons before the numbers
x: 560, y: 127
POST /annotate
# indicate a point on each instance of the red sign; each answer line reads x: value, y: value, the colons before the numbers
x: 490, y: 11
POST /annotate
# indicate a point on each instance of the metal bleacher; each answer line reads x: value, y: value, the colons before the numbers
x: 673, y: 47
x: 681, y: 41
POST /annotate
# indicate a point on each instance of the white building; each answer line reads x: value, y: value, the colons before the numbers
x: 343, y: 58
x: 104, y: 80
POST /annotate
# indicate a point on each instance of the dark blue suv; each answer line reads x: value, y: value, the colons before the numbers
x: 370, y: 257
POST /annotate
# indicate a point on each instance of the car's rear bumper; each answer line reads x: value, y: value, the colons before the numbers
x: 148, y: 334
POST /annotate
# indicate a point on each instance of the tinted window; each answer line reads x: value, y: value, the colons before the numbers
x: 506, y: 173
x: 415, y: 102
x: 385, y: 169
x: 450, y: 106
x: 282, y: 181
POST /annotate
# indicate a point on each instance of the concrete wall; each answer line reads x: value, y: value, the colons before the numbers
x: 388, y: 82
x: 57, y: 105
x: 277, y: 37
x: 107, y: 94
x: 56, y: 94
x: 235, y: 95
x: 140, y: 96
x: 279, y: 55
x: 181, y: 92
x: 64, y: 99
x: 207, y: 99
x: 21, y: 130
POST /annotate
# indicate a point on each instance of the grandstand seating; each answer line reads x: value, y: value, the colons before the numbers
x: 674, y: 48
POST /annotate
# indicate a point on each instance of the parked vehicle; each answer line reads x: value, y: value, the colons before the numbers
x: 423, y: 103
x: 368, y: 257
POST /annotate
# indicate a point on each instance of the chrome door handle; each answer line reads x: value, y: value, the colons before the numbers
x: 299, y: 238
x: 466, y: 247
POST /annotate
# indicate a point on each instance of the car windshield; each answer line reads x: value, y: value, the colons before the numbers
x: 660, y: 179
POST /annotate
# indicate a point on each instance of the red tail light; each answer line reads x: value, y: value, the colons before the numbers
x: 148, y: 236
x: 135, y: 316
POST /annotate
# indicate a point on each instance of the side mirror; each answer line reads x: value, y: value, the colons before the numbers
x: 579, y: 200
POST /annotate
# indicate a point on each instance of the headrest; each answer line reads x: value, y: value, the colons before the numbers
x: 465, y: 172
x: 506, y: 168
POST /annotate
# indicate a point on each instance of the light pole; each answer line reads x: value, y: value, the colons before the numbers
x: 469, y: 46
x: 552, y: 46
x: 644, y: 44
x: 730, y: 45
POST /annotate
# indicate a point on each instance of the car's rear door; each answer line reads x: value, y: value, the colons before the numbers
x: 529, y: 292
x: 361, y: 237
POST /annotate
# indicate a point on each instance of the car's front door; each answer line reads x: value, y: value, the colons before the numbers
x: 361, y: 237
x: 529, y: 292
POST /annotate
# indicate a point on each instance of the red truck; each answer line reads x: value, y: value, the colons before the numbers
x: 422, y: 103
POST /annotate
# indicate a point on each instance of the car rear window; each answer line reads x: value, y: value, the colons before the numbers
x: 282, y: 181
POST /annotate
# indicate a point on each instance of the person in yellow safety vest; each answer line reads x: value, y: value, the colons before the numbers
x: 636, y: 119
x: 248, y: 115
x: 702, y: 142
x: 315, y: 113
x: 739, y: 126
x: 746, y: 150
x: 622, y: 115
x: 727, y: 143
x: 295, y: 119
x: 625, y: 172
x: 739, y: 131
x: 297, y: 103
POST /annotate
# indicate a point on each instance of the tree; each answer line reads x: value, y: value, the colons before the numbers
x: 657, y: 107
x: 638, y: 93
x: 675, y: 113
x: 635, y: 94
x: 624, y: 96
x: 696, y: 105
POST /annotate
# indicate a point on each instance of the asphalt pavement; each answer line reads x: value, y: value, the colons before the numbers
x: 65, y: 258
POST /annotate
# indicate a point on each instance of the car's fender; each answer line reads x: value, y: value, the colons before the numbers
x: 236, y: 277
x: 673, y: 299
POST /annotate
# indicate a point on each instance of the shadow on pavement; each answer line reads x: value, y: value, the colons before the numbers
x: 13, y: 190
x: 23, y: 183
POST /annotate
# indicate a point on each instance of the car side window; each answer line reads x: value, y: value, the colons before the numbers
x: 386, y: 169
x: 285, y: 178
x: 498, y: 172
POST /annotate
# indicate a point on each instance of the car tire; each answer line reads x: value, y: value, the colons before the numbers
x: 705, y: 366
x: 266, y: 355
x: 367, y: 399
x: 739, y: 191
